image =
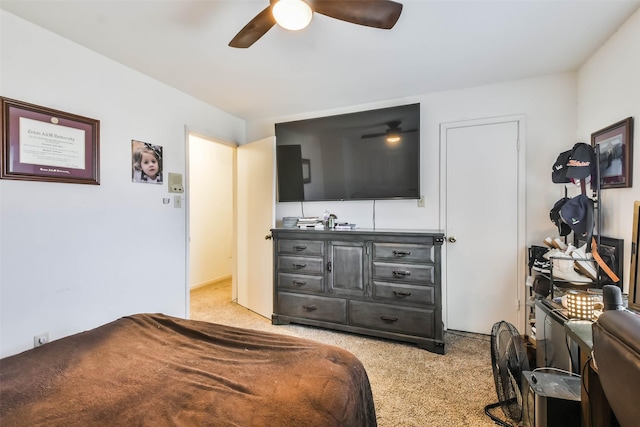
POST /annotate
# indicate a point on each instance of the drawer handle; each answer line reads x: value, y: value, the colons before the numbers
x: 389, y: 319
x: 401, y: 253
x: 299, y: 265
x: 300, y: 248
x: 402, y: 293
x: 300, y: 282
x: 310, y: 307
x: 400, y: 273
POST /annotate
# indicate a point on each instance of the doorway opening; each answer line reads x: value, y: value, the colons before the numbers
x: 210, y: 225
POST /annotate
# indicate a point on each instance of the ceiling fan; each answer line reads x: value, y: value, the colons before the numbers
x: 371, y: 13
x: 392, y: 134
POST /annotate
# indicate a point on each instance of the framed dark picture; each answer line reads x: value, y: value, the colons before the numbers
x: 612, y: 253
x: 306, y: 171
x: 616, y: 154
x: 43, y: 144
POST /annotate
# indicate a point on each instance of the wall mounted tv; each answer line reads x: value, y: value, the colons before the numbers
x: 368, y: 155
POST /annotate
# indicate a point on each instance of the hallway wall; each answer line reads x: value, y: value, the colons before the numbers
x: 211, y: 172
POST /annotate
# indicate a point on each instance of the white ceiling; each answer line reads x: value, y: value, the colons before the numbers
x: 435, y: 46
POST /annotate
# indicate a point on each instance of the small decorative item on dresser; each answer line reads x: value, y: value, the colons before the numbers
x: 344, y: 226
x: 290, y: 221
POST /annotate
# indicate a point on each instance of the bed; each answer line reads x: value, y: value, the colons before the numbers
x: 158, y: 370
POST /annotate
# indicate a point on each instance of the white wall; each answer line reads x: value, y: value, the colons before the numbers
x: 211, y: 173
x: 76, y: 256
x: 548, y: 104
x: 609, y: 91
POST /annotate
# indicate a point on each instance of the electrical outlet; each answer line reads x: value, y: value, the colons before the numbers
x: 41, y: 339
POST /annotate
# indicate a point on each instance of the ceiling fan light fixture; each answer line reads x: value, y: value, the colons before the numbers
x: 393, y: 137
x: 292, y: 14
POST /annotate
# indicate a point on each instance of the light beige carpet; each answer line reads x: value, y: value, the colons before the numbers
x: 411, y: 386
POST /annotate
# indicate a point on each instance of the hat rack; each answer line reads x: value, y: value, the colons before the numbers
x: 597, y: 222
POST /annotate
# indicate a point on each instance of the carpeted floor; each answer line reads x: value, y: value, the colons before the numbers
x: 411, y: 386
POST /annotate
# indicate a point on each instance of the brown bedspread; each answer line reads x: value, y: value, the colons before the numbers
x: 157, y: 370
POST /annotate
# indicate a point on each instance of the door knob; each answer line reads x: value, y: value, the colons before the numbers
x: 452, y: 239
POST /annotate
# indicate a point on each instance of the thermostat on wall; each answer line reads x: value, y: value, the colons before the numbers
x: 175, y: 183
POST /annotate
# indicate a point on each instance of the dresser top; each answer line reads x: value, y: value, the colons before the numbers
x: 375, y: 231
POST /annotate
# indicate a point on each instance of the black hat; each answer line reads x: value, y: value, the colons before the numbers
x: 578, y: 214
x: 581, y: 161
x: 554, y: 215
x: 559, y: 170
x: 542, y: 285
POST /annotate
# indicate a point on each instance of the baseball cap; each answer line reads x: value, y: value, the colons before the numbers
x: 559, y: 169
x: 578, y: 214
x: 554, y: 215
x: 581, y: 159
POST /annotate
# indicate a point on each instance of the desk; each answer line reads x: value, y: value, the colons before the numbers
x: 595, y: 406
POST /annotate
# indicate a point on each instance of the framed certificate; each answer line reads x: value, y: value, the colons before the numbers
x: 42, y: 144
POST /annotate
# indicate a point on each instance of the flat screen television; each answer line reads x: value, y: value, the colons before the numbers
x: 368, y: 155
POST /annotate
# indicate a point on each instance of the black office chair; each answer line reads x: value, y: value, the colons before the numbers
x: 616, y: 349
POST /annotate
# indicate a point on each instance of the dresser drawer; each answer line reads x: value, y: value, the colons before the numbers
x: 404, y: 293
x: 403, y: 272
x: 403, y: 251
x: 312, y: 307
x: 300, y: 282
x: 404, y: 320
x: 298, y: 264
x: 301, y: 247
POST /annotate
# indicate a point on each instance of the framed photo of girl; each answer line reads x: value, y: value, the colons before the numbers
x: 146, y: 161
x: 43, y: 144
x: 616, y: 154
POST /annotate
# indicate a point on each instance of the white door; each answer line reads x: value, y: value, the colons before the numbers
x: 255, y: 218
x: 483, y: 218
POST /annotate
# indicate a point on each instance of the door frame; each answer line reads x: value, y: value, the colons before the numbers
x: 521, y: 205
x: 187, y: 210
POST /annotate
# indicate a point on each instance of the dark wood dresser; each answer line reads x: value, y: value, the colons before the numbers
x: 383, y: 283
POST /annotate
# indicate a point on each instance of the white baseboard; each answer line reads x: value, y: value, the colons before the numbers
x: 211, y: 282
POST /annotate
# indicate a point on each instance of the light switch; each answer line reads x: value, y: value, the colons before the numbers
x: 177, y: 202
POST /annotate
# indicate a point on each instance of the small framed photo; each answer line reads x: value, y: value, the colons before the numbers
x: 616, y: 154
x: 43, y: 144
x: 146, y: 162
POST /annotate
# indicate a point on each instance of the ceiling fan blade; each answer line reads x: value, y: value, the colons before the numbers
x: 373, y: 135
x: 255, y: 29
x: 398, y: 130
x: 372, y: 13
